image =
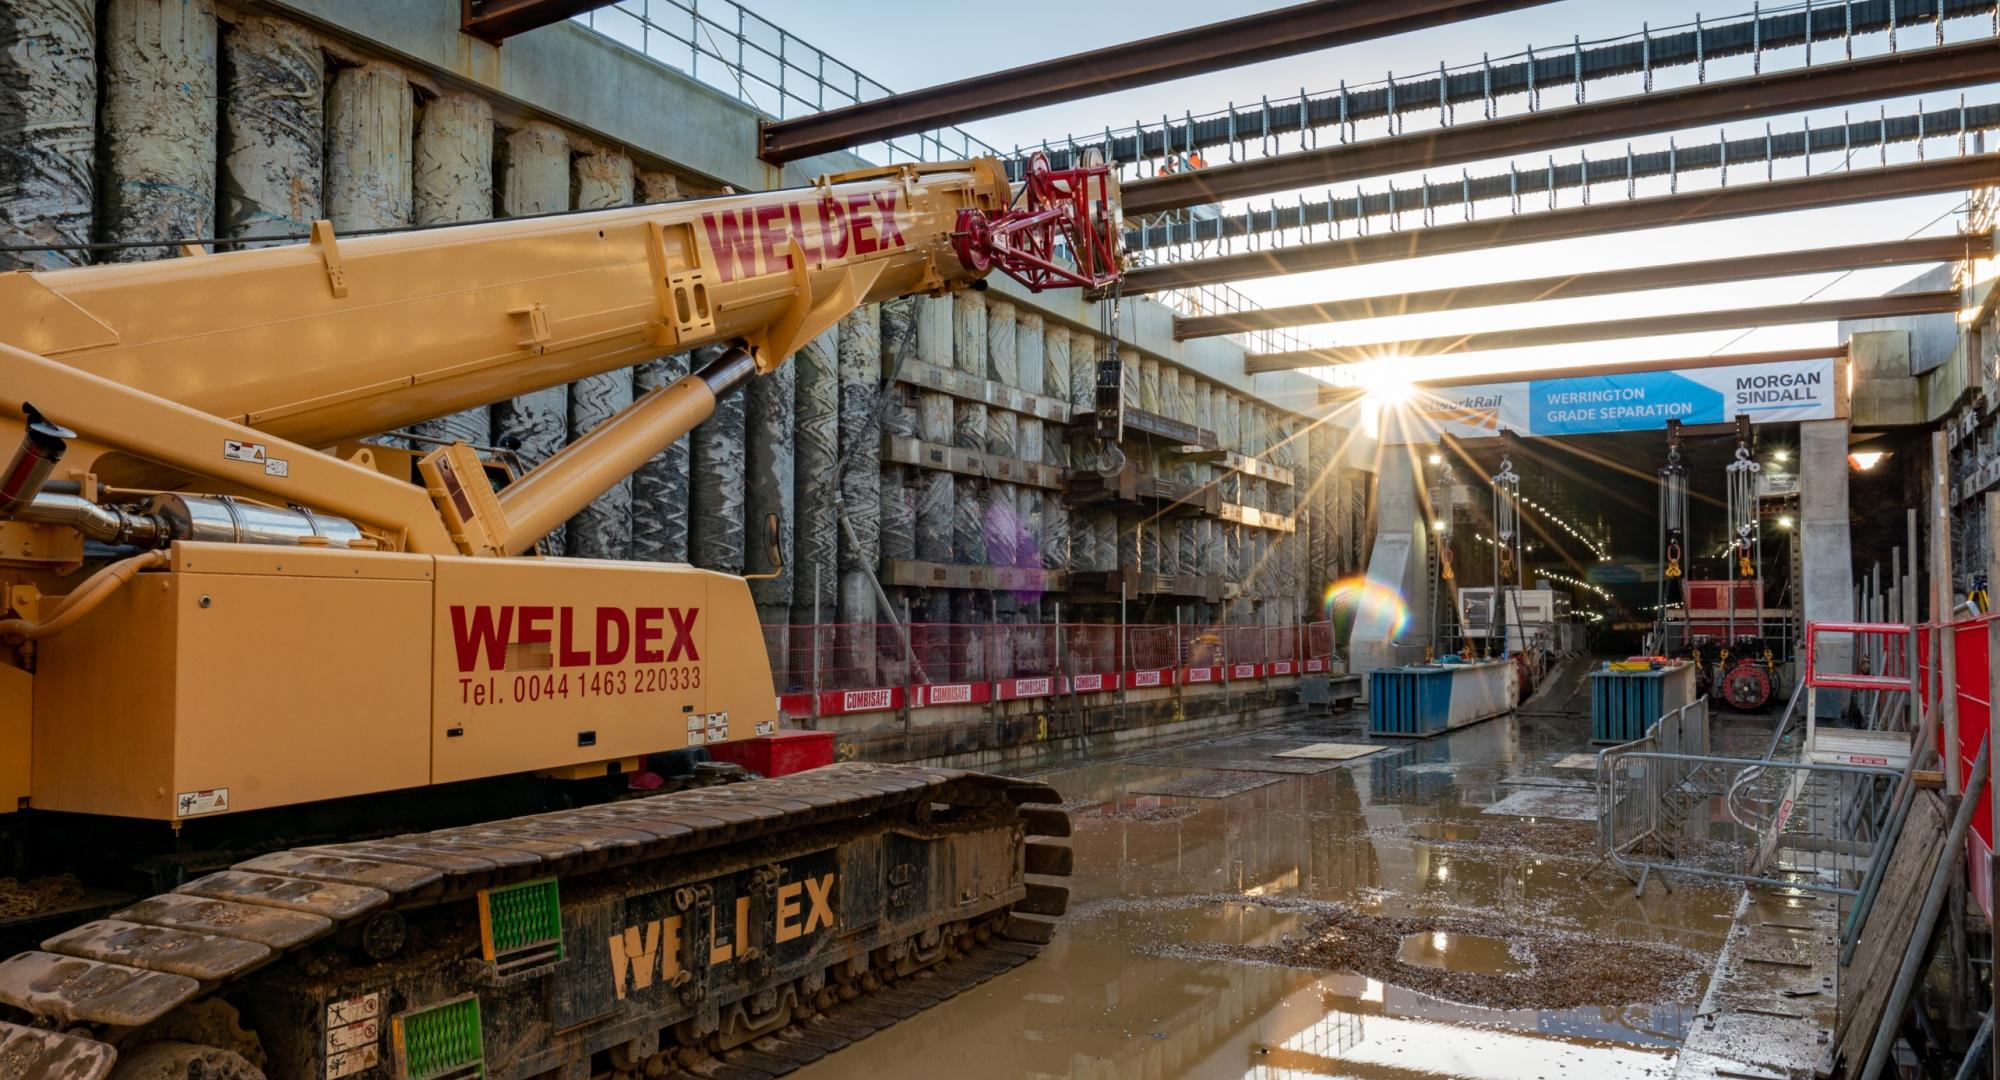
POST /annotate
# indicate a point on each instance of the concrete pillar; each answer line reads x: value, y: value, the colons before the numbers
x: 938, y: 493
x: 1003, y: 434
x: 452, y: 181
x: 898, y: 512
x: 534, y: 179
x: 158, y: 124
x: 860, y: 485
x: 1030, y: 501
x: 48, y: 129
x: 816, y: 420
x: 1002, y: 524
x: 1083, y: 371
x: 1003, y: 426
x: 1131, y: 378
x: 1317, y: 488
x: 370, y: 124
x: 658, y: 187
x: 1826, y: 559
x: 716, y: 475
x: 971, y: 614
x: 1397, y: 562
x: 660, y: 486
x: 272, y: 146
x: 1055, y: 383
x: 771, y: 490
x: 968, y: 329
x: 860, y: 447
x: 1202, y: 397
x: 1029, y: 373
x: 452, y: 176
x: 603, y: 530
x: 1149, y: 386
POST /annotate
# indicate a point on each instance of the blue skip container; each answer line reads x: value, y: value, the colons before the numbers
x: 1409, y: 701
x: 1623, y: 704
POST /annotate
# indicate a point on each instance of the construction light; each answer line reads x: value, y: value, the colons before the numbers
x: 1785, y: 521
x: 1864, y: 460
x: 1436, y: 458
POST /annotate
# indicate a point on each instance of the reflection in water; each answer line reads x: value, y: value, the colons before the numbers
x: 1447, y: 951
x: 1111, y: 1000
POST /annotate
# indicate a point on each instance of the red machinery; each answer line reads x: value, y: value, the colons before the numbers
x: 1727, y: 622
x: 1076, y: 209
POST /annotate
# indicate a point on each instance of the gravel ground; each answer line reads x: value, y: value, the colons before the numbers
x: 1562, y: 971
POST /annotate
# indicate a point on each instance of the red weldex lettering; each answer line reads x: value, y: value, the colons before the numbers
x: 481, y: 634
x: 757, y: 240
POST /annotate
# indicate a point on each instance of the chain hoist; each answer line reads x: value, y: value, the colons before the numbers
x: 1506, y: 546
x: 1744, y: 472
x: 1673, y: 532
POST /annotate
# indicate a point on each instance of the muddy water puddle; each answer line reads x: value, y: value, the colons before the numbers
x: 1366, y: 920
x: 1474, y: 954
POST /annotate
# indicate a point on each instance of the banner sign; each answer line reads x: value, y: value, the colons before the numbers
x: 1639, y: 401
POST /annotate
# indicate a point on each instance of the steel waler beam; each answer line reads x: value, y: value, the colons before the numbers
x: 1805, y: 193
x: 1891, y: 75
x: 1599, y: 283
x: 1870, y: 307
x: 494, y: 21
x: 1337, y: 395
x: 1218, y: 46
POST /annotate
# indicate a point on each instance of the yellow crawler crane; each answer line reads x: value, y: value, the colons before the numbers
x: 219, y: 606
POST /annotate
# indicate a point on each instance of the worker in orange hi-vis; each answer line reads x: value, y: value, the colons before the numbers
x: 1167, y: 165
x: 1194, y: 160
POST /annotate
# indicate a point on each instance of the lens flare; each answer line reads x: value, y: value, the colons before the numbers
x: 1358, y: 605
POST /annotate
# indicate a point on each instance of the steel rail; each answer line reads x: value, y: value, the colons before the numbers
x: 494, y: 21
x: 1890, y: 75
x: 1868, y: 307
x: 1765, y: 150
x: 1251, y: 39
x: 1558, y: 67
x: 1804, y: 193
x: 1598, y: 283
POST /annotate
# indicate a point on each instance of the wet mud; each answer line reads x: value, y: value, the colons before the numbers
x: 1471, y: 960
x: 1368, y: 918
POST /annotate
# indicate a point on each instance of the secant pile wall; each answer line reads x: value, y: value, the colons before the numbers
x: 925, y: 457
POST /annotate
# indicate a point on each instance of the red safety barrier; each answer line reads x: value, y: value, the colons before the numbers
x: 1885, y: 646
x: 839, y: 669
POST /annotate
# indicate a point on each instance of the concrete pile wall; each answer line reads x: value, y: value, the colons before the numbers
x: 149, y: 122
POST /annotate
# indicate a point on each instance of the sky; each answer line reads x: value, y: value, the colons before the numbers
x: 909, y: 44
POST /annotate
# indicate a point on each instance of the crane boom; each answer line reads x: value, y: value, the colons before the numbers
x: 340, y: 338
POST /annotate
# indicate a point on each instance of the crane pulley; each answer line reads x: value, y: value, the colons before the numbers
x: 1060, y: 232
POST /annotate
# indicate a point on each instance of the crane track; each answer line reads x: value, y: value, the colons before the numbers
x: 103, y: 983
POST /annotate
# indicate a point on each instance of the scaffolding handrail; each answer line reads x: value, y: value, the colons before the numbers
x: 754, y: 52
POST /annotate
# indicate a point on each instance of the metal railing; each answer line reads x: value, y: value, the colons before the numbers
x: 727, y: 47
x: 1227, y: 300
x: 1562, y: 70
x: 1670, y: 806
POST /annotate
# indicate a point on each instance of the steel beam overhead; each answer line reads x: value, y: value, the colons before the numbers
x: 1562, y: 68
x: 1218, y: 46
x: 1804, y: 193
x: 1338, y: 395
x: 1599, y: 283
x: 1868, y: 307
x: 1517, y: 184
x: 1890, y: 75
x: 494, y: 21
